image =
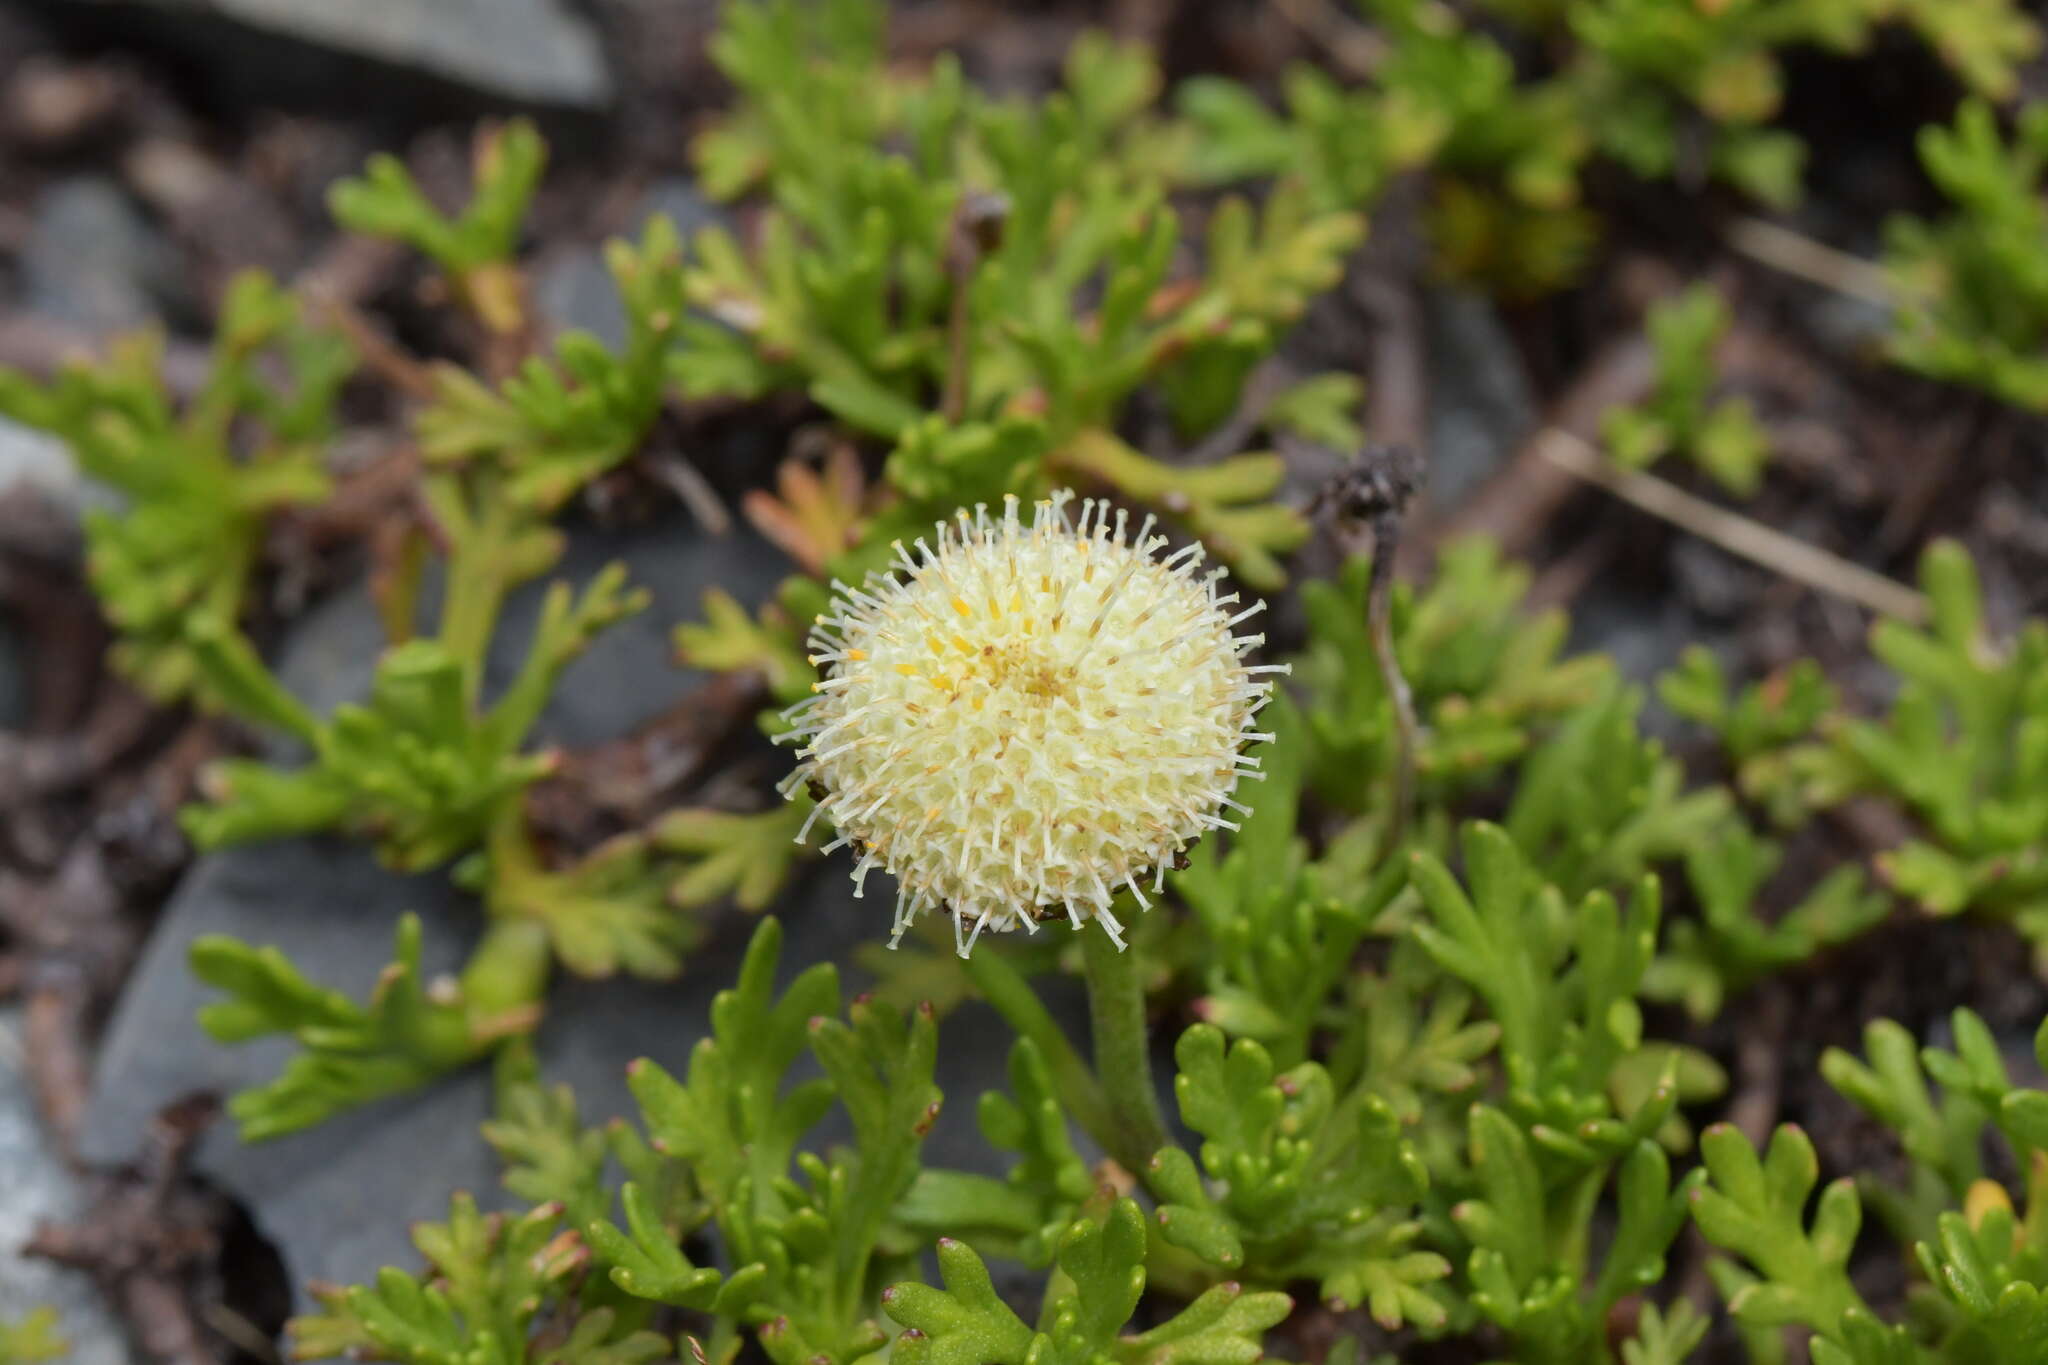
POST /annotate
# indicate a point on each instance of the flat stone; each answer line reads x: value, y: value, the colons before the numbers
x: 575, y: 289
x: 92, y: 259
x: 35, y: 1187
x: 41, y: 461
x: 678, y: 197
x: 532, y: 51
x: 336, y: 1200
x: 1480, y: 407
x: 1644, y: 630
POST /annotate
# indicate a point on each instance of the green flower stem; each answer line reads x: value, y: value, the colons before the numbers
x: 1010, y: 995
x: 1123, y: 1055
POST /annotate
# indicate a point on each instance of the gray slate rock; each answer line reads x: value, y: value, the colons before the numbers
x: 575, y: 290
x: 46, y: 466
x: 35, y: 1187
x: 678, y: 197
x: 336, y: 1200
x: 1645, y: 631
x: 91, y: 258
x: 41, y: 461
x: 539, y: 52
x: 1480, y: 407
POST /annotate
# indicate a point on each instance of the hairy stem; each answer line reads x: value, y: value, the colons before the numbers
x: 1379, y: 610
x: 953, y: 405
x: 1123, y: 1056
x: 1372, y: 495
x: 976, y: 230
x: 1010, y: 995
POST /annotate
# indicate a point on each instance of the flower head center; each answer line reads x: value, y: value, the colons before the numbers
x: 1022, y: 670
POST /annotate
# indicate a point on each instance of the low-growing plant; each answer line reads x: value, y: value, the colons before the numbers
x: 1765, y: 728
x: 1961, y: 753
x: 922, y: 250
x: 1983, y: 1262
x: 1026, y: 298
x: 475, y: 248
x: 423, y: 768
x: 179, y: 558
x: 1972, y: 297
x: 926, y: 246
x: 1722, y: 436
x: 1441, y: 1203
x: 812, y: 1244
x: 1505, y: 154
x: 1487, y: 679
x: 1732, y: 943
x: 1666, y: 90
x: 428, y: 769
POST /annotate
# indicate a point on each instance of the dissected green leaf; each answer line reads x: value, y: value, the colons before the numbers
x: 199, y: 483
x: 407, y: 1033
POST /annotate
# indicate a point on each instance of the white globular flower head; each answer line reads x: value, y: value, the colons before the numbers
x: 1020, y: 719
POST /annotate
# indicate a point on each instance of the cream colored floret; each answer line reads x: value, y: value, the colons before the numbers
x: 1019, y: 720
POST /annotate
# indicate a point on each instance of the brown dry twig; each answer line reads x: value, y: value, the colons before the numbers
x: 1798, y: 255
x: 673, y: 470
x: 33, y: 767
x: 352, y: 269
x: 1733, y: 532
x: 1267, y: 381
x: 148, y: 1235
x: 625, y: 783
x: 1356, y: 50
x: 363, y: 500
x: 43, y: 591
x: 404, y: 372
x: 78, y: 945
